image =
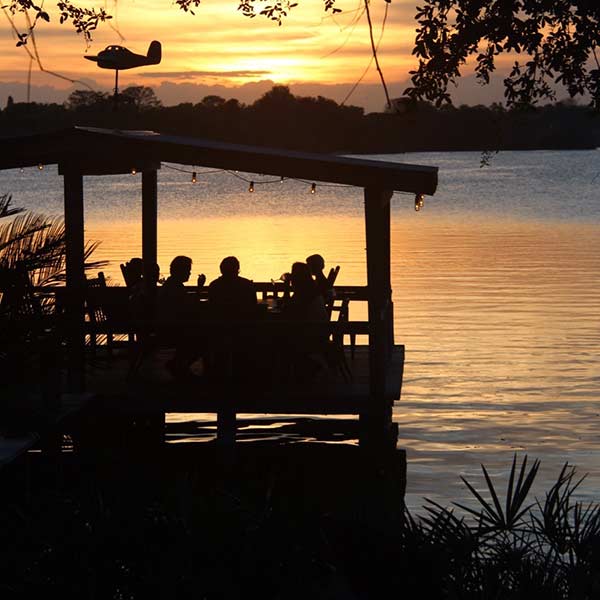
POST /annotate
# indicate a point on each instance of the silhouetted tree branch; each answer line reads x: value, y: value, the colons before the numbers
x: 555, y: 42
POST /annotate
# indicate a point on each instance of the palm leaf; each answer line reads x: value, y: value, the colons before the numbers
x: 5, y: 209
x: 493, y: 515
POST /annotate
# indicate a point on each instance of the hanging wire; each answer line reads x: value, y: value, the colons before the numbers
x: 419, y: 198
x: 375, y: 49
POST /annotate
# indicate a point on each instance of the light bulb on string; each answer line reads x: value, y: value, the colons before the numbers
x: 21, y: 170
x: 419, y: 202
x: 313, y: 188
x: 281, y: 180
x: 194, y: 179
x: 133, y: 171
x: 251, y: 187
x: 41, y: 167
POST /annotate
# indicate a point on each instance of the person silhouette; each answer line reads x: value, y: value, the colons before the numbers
x: 316, y: 265
x: 141, y: 292
x: 231, y: 296
x: 176, y: 311
x: 135, y: 272
x: 306, y: 304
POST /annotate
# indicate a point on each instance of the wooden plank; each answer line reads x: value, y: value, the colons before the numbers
x: 154, y: 391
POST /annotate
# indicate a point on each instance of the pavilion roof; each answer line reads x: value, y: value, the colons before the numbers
x: 95, y: 151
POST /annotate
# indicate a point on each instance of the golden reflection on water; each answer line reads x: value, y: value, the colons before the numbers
x: 501, y: 322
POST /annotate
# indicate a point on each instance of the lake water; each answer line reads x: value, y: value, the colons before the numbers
x: 496, y: 285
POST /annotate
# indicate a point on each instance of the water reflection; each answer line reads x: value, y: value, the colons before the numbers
x: 500, y: 322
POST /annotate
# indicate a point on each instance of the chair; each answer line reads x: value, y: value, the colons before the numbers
x: 332, y: 276
x: 337, y: 352
x: 126, y: 271
x: 107, y: 313
x: 94, y: 309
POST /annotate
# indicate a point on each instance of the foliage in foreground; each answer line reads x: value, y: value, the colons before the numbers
x: 226, y: 540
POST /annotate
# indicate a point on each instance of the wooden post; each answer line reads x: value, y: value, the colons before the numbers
x: 74, y: 235
x: 149, y: 223
x: 376, y: 428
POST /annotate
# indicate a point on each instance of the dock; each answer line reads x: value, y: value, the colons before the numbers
x: 376, y: 369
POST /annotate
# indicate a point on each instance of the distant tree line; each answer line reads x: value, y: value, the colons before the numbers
x: 281, y: 119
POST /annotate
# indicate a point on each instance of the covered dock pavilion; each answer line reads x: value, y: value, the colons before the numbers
x: 81, y: 152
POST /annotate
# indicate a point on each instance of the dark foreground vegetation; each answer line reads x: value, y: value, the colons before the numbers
x: 296, y: 521
x: 283, y: 120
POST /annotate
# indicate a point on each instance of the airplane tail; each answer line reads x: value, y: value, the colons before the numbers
x: 154, y: 52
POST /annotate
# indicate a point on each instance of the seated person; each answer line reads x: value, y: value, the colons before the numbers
x: 142, y: 294
x: 135, y: 272
x: 176, y: 309
x: 231, y: 296
x: 316, y: 264
x: 306, y: 304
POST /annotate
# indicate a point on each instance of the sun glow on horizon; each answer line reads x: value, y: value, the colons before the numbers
x: 219, y: 44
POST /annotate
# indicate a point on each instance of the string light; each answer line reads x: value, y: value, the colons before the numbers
x: 280, y: 179
x: 41, y: 167
x: 133, y: 171
x: 21, y: 170
x: 419, y: 202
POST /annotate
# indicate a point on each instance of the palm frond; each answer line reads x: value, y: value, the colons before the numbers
x: 36, y: 243
x: 492, y: 515
x: 554, y: 519
x: 5, y: 209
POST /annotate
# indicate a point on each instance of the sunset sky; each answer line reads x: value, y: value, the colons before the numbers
x: 219, y: 46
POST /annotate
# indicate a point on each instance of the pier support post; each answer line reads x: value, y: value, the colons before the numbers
x: 75, y: 243
x: 376, y: 428
x: 149, y: 223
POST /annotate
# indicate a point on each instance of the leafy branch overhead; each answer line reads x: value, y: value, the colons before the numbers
x: 549, y: 42
x: 84, y: 20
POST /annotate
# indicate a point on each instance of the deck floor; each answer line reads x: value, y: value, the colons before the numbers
x: 152, y: 389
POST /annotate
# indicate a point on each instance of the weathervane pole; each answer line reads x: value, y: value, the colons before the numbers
x: 116, y: 94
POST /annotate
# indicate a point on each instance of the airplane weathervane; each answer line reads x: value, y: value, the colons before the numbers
x: 120, y: 58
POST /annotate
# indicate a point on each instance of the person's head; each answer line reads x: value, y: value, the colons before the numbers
x: 316, y: 263
x: 155, y: 273
x: 230, y: 266
x: 301, y: 278
x: 181, y: 268
x: 135, y: 269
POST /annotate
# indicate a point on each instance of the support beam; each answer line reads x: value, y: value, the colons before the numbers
x: 149, y: 223
x: 75, y: 243
x: 377, y: 430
